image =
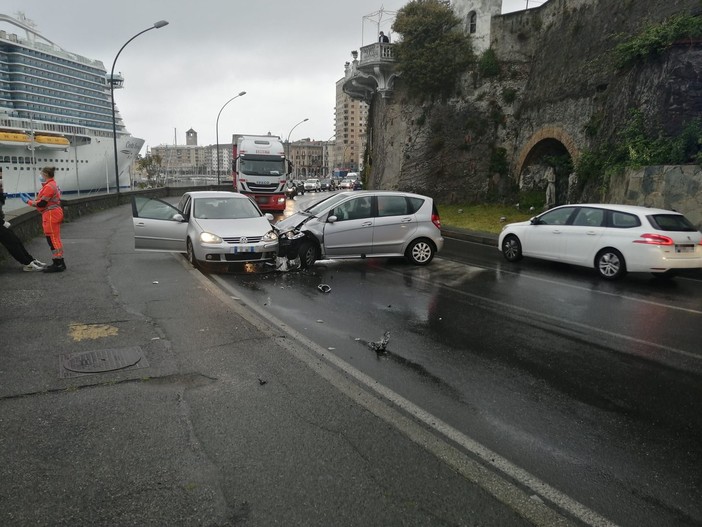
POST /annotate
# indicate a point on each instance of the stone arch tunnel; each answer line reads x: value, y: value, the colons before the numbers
x: 532, y: 167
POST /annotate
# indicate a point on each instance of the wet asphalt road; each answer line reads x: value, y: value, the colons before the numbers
x: 590, y: 387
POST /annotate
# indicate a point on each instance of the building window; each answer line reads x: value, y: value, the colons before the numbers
x: 472, y: 22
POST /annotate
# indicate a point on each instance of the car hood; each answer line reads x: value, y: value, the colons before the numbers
x: 238, y: 227
x: 294, y: 221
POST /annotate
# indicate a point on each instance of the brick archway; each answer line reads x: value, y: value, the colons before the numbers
x: 547, y: 132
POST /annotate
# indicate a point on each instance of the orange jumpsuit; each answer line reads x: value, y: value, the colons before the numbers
x: 48, y: 202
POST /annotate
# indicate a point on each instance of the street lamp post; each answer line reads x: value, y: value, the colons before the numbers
x: 157, y: 25
x: 287, y: 141
x: 217, y: 128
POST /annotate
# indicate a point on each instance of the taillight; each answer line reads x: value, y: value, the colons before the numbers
x: 654, y: 239
x: 436, y: 221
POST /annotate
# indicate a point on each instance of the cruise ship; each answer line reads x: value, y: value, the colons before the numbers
x: 55, y: 109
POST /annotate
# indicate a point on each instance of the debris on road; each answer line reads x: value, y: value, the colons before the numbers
x: 324, y: 288
x: 381, y: 345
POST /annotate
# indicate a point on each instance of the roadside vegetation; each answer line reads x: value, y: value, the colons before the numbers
x: 488, y: 218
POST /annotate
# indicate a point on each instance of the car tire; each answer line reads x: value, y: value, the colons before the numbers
x: 420, y: 252
x: 190, y: 253
x: 610, y: 264
x: 307, y: 254
x: 512, y: 248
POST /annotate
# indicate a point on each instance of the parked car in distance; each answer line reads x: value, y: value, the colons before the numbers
x: 313, y: 185
x: 363, y: 225
x: 613, y: 239
x: 208, y: 226
x: 327, y: 184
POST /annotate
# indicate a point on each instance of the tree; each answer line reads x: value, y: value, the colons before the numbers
x: 433, y: 52
x: 149, y: 164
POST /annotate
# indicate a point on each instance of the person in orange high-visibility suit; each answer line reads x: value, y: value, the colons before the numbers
x: 48, y: 202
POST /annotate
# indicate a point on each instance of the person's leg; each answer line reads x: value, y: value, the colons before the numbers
x: 14, y: 246
x: 51, y: 222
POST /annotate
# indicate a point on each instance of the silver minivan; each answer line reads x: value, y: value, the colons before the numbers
x: 363, y: 224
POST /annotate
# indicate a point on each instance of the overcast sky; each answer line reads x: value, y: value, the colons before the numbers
x: 287, y: 55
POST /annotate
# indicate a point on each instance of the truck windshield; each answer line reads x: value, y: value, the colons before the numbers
x: 264, y: 166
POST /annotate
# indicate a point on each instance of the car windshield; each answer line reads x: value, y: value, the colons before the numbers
x: 261, y: 166
x: 671, y: 222
x: 224, y: 208
x: 321, y: 206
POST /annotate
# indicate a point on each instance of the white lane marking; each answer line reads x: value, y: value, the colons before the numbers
x: 508, y: 493
x: 563, y: 321
x: 572, y: 286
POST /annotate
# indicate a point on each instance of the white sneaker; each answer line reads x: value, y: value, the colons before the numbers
x: 34, y: 265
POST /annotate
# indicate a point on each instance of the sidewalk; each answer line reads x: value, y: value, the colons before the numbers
x: 214, y: 418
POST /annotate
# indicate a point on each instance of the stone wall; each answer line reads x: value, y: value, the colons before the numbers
x: 665, y: 187
x: 565, y: 95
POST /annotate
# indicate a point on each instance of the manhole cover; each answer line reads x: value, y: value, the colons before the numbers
x: 100, y: 361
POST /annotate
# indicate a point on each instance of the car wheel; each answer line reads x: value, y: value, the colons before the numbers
x: 610, y: 264
x: 420, y: 252
x: 307, y: 254
x: 190, y: 253
x: 512, y: 248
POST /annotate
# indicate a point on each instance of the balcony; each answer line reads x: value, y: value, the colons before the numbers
x: 374, y: 72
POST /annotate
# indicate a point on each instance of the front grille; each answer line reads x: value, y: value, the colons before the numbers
x: 268, y: 188
x: 237, y: 239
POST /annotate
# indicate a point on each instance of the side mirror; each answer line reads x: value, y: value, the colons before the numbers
x: 331, y: 219
x: 178, y: 217
x: 534, y: 220
x: 269, y: 217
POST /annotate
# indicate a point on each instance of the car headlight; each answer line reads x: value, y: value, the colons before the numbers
x: 270, y: 236
x: 208, y: 237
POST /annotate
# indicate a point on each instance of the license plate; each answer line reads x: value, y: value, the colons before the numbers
x: 684, y: 248
x: 262, y: 199
x: 244, y: 249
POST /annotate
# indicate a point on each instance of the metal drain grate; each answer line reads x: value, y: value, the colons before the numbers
x: 101, y: 361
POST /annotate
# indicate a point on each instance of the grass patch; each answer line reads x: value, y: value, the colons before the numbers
x: 481, y: 218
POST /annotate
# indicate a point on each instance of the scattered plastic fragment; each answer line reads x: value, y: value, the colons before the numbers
x: 324, y: 288
x: 320, y: 322
x: 262, y: 381
x: 379, y: 347
x: 331, y: 349
x: 155, y: 282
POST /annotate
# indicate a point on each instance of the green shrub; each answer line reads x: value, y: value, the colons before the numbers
x: 488, y: 65
x: 655, y: 38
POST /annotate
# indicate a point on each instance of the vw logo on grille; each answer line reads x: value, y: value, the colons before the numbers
x: 243, y: 239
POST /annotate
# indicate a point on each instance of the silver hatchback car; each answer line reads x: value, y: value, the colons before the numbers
x: 363, y: 224
x: 208, y: 226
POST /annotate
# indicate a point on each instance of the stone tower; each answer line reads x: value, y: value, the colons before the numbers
x: 191, y: 138
x: 477, y: 16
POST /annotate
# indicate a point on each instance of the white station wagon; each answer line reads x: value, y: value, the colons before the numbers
x: 613, y: 239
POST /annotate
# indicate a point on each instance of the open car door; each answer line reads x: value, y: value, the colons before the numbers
x: 158, y: 226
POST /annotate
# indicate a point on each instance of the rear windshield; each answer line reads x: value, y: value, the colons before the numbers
x: 671, y: 222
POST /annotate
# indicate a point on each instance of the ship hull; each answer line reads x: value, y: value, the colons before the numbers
x: 86, y: 165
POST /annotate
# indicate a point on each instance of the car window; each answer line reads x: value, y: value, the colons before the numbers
x: 589, y: 217
x: 320, y: 206
x: 556, y: 216
x: 392, y: 206
x: 624, y: 220
x: 671, y: 222
x: 353, y: 209
x: 154, y: 209
x: 414, y: 205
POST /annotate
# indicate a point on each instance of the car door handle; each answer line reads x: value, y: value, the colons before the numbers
x: 556, y: 231
x: 591, y: 233
x: 367, y: 224
x: 406, y: 220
